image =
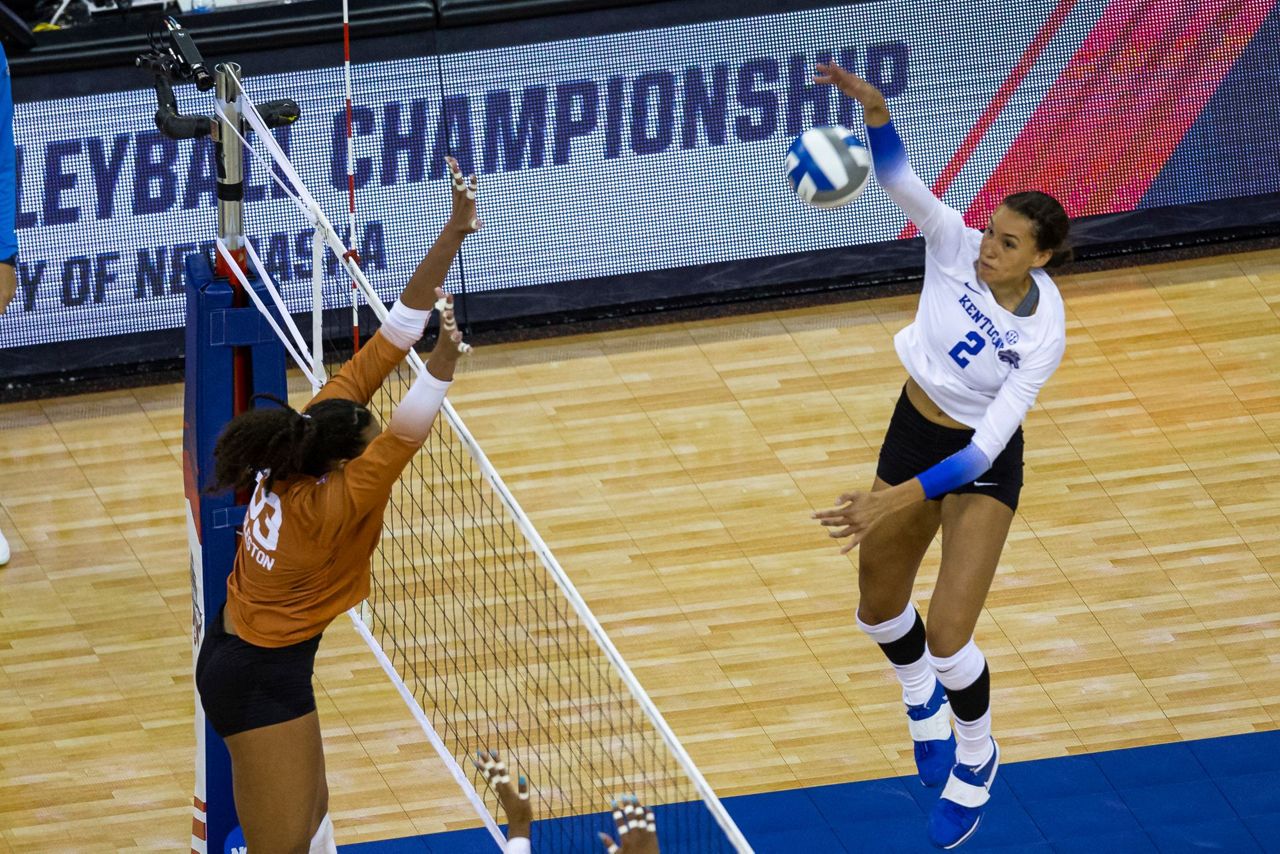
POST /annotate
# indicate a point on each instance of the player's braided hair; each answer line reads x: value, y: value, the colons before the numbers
x: 285, y: 442
x: 1050, y: 220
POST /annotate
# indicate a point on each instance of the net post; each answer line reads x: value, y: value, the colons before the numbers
x: 230, y: 160
x: 230, y: 163
x: 207, y: 404
x: 222, y: 337
x: 216, y: 329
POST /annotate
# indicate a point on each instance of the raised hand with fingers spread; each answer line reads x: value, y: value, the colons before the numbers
x: 637, y: 830
x: 856, y: 512
x: 514, y: 799
x: 463, y: 217
x: 449, y: 345
x: 875, y: 111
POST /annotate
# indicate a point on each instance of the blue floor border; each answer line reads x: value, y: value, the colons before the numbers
x: 1214, y: 794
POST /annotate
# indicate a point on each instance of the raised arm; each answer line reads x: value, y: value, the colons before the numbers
x: 943, y: 227
x: 361, y: 376
x: 420, y: 293
x: 369, y: 477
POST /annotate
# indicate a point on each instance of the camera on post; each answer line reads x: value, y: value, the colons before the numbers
x: 174, y: 55
x: 174, y: 58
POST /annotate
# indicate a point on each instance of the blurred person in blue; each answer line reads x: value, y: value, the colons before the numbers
x: 8, y: 190
x: 8, y: 210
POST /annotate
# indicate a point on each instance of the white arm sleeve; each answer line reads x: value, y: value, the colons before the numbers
x: 518, y: 845
x: 942, y: 226
x: 1015, y: 399
x: 413, y: 417
x: 404, y: 326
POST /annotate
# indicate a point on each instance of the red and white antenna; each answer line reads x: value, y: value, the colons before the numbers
x: 351, y: 256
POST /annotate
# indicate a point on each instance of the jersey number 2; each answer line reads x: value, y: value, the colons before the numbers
x: 971, y: 346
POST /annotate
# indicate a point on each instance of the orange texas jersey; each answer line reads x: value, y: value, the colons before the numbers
x: 304, y: 554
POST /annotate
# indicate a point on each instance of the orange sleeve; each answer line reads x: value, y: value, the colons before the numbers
x: 367, y: 479
x: 363, y: 373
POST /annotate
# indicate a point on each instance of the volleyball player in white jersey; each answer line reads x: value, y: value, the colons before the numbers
x: 988, y: 333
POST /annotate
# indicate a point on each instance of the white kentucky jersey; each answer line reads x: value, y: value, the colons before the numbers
x: 979, y: 362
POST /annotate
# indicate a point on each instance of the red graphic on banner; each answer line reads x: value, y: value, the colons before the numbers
x: 1125, y: 100
x: 1029, y: 56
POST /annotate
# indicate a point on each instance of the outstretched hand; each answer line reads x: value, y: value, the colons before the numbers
x: 8, y: 285
x: 449, y: 344
x: 463, y: 218
x: 637, y: 832
x: 515, y: 801
x: 853, y: 515
x: 875, y: 111
x: 450, y: 336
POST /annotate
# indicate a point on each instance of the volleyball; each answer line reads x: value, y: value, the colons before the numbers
x: 828, y: 166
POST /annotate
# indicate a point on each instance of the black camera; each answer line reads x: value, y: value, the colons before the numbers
x: 174, y: 55
x: 174, y: 58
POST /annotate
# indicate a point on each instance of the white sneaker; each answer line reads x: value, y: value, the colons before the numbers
x: 4, y: 549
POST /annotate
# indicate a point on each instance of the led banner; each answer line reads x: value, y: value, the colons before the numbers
x: 655, y: 149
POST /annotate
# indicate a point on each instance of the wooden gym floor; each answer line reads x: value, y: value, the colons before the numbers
x: 1138, y: 600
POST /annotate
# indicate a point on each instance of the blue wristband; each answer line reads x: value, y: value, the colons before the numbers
x: 887, y: 151
x: 956, y: 470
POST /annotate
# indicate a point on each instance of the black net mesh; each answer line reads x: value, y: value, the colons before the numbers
x: 498, y: 658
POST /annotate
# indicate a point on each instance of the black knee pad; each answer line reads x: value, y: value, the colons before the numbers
x: 971, y: 703
x: 909, y: 648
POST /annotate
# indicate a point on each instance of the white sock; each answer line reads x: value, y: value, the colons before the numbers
x: 917, y: 681
x: 917, y: 678
x: 973, y: 740
x: 322, y: 842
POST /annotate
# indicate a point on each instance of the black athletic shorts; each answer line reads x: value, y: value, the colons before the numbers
x: 914, y: 444
x: 243, y: 687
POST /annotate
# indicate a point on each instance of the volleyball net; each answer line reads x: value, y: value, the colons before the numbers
x: 470, y: 615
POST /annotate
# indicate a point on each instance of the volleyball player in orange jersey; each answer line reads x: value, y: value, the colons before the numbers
x: 321, y: 479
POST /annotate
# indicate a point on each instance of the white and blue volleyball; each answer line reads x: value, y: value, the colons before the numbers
x: 828, y: 166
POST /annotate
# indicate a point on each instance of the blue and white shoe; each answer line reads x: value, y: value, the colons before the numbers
x: 935, y: 743
x: 957, y: 814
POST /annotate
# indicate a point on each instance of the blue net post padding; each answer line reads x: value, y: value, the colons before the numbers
x: 215, y: 330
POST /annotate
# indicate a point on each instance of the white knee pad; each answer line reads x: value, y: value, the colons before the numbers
x: 960, y: 670
x: 322, y: 842
x: 890, y: 630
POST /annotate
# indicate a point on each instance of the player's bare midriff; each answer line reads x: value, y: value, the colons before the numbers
x: 930, y: 410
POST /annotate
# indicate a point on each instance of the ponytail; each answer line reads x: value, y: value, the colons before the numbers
x: 284, y: 443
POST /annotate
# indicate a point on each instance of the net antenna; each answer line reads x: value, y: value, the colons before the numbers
x: 482, y: 632
x: 351, y: 257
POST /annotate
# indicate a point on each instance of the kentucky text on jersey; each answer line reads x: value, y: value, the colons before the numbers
x: 984, y: 322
